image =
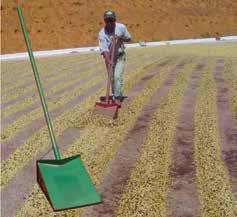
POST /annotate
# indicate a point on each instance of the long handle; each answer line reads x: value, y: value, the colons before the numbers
x: 38, y: 84
x: 110, y: 69
x: 108, y: 82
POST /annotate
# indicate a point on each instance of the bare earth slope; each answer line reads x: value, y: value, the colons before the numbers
x: 75, y: 23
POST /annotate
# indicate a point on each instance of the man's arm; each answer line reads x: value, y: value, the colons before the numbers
x: 104, y: 49
x: 121, y: 39
x: 107, y: 59
x: 126, y: 37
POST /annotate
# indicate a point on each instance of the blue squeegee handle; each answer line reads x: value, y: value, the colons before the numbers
x: 38, y: 84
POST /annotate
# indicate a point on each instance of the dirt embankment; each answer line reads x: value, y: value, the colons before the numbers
x: 75, y: 23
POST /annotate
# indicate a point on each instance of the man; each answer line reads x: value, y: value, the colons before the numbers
x: 121, y: 34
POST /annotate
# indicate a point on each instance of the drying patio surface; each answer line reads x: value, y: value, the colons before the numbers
x: 171, y: 152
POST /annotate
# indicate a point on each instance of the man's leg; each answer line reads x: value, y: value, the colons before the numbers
x: 118, y: 76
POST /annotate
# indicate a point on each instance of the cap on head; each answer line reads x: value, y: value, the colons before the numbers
x: 109, y: 15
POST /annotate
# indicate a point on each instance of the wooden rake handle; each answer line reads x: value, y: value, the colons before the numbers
x: 110, y: 68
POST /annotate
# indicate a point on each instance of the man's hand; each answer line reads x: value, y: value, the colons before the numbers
x: 116, y: 38
x: 107, y: 58
x: 121, y: 39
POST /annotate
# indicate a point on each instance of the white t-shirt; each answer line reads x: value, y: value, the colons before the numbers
x: 105, y: 38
